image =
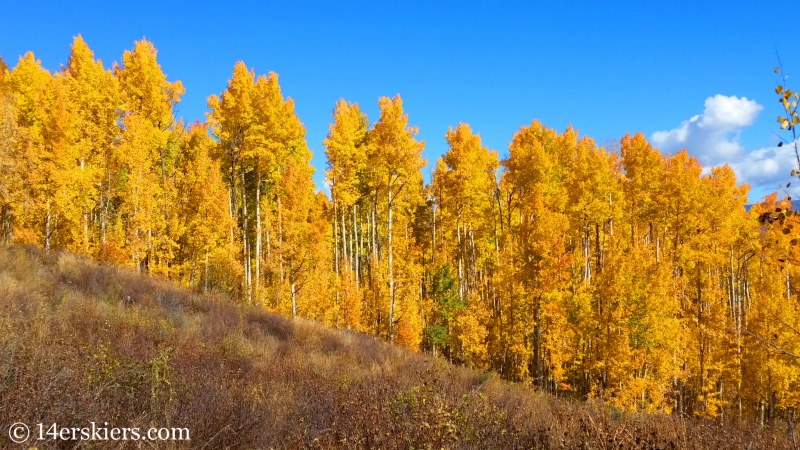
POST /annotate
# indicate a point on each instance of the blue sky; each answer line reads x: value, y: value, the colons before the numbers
x: 606, y: 69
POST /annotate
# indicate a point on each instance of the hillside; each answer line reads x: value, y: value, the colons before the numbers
x: 616, y: 271
x: 83, y: 342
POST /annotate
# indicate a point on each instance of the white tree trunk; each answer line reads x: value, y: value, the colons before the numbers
x: 391, y: 266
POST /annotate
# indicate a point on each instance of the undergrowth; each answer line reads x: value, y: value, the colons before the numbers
x: 82, y: 342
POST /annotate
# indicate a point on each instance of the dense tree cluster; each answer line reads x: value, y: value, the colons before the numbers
x: 618, y: 274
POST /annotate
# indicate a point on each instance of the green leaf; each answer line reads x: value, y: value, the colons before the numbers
x: 437, y: 334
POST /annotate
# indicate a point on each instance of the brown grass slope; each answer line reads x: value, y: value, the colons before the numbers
x: 82, y: 342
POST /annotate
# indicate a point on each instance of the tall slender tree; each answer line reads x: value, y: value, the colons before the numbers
x: 396, y: 162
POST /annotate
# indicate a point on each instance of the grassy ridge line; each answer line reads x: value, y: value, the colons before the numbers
x: 82, y: 342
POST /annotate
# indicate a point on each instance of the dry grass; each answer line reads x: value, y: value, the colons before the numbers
x: 81, y: 342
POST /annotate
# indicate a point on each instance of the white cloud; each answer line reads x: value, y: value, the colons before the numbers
x: 765, y: 164
x: 729, y: 113
x: 713, y: 137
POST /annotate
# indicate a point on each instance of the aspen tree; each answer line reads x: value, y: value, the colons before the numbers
x: 147, y: 157
x: 232, y: 118
x: 595, y: 196
x: 538, y: 159
x: 29, y: 83
x: 396, y: 161
x: 289, y: 175
x: 93, y: 100
x: 346, y: 151
x: 10, y: 177
x: 463, y: 187
x: 205, y: 250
